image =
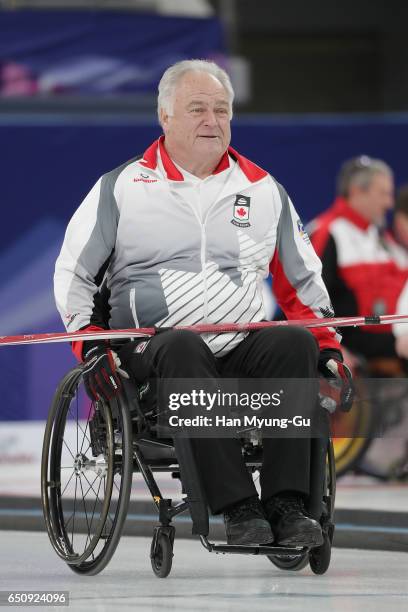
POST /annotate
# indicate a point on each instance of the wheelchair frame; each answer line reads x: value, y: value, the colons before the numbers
x: 121, y: 438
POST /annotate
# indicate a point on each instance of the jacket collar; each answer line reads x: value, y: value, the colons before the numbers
x: 252, y: 172
x: 342, y: 208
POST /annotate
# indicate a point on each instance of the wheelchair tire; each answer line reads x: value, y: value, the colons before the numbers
x: 359, y: 422
x: 85, y: 528
x: 319, y: 558
x: 293, y: 564
x: 162, y: 556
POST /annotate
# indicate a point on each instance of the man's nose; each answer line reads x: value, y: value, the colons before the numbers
x: 210, y: 117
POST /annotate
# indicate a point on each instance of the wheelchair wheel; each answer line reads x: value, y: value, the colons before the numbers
x: 86, y: 475
x: 294, y: 564
x: 319, y: 558
x: 161, y: 555
x: 359, y: 423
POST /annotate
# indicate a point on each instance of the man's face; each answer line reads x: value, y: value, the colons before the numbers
x: 199, y: 126
x: 374, y: 201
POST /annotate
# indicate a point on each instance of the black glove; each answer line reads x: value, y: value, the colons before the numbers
x: 336, y: 388
x: 100, y: 372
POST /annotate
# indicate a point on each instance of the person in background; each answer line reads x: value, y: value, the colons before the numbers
x: 400, y: 330
x: 400, y: 231
x: 364, y: 268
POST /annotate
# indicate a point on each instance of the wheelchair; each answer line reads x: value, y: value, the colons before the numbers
x: 90, y: 452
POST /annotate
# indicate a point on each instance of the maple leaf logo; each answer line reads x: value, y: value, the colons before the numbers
x: 241, y: 211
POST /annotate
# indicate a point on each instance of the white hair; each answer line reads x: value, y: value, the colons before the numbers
x: 173, y: 74
x: 360, y: 171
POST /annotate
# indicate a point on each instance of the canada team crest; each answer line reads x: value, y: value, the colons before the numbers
x: 241, y: 211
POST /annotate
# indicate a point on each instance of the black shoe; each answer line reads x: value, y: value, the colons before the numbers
x: 291, y: 526
x: 245, y: 523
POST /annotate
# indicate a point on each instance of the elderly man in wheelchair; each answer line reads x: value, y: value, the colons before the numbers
x: 183, y: 235
x: 92, y: 447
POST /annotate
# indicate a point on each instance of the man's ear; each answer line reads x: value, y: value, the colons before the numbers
x: 355, y: 191
x: 164, y: 118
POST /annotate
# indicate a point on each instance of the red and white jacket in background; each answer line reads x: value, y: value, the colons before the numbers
x: 364, y: 270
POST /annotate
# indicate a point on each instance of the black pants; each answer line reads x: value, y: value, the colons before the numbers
x: 280, y: 352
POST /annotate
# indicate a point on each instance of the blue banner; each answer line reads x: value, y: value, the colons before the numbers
x: 101, y: 52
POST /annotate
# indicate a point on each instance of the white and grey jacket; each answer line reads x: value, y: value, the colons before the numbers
x: 164, y: 266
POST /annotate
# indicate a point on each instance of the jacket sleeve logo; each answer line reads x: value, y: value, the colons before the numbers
x: 302, y: 232
x: 241, y: 211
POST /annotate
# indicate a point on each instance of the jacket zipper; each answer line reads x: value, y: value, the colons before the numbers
x: 204, y: 270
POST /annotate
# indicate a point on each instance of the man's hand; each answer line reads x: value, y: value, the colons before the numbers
x: 336, y: 388
x: 100, y: 372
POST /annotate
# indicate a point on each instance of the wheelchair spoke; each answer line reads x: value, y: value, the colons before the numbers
x: 90, y: 485
x: 73, y: 519
x: 87, y: 449
x: 69, y: 520
x: 79, y: 426
x: 93, y: 511
x: 69, y: 450
x: 83, y: 439
x: 89, y: 488
x: 70, y: 478
x: 86, y: 514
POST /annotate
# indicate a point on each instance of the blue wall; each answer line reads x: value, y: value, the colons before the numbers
x: 48, y: 166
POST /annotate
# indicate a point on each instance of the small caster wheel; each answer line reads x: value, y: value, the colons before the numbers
x: 319, y: 557
x: 294, y: 564
x: 161, y: 554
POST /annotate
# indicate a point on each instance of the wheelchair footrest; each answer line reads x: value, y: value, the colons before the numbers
x: 282, y: 551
